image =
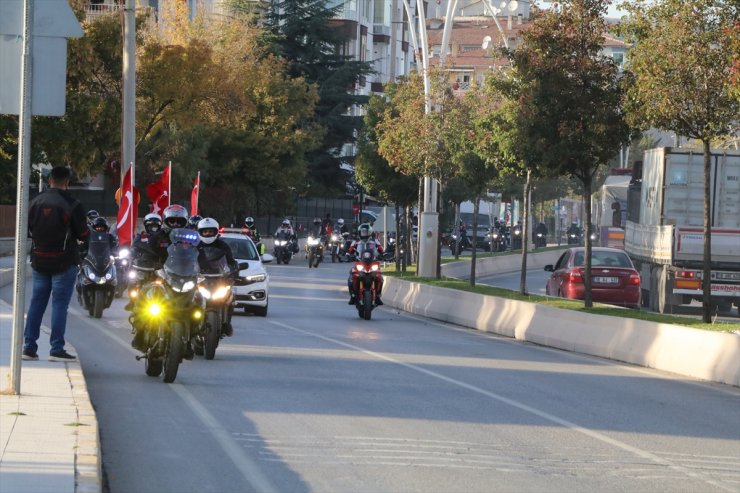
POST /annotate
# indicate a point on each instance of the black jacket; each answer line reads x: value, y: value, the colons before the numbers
x: 207, y: 252
x: 56, y: 221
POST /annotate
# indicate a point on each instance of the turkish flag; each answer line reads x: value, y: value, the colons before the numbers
x: 159, y: 192
x: 127, y: 207
x: 194, y: 196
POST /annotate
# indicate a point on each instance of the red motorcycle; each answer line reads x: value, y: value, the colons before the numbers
x: 365, y: 278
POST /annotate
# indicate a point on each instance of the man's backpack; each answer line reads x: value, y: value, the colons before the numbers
x: 51, y: 233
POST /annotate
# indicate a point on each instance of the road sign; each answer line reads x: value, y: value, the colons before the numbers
x: 53, y: 22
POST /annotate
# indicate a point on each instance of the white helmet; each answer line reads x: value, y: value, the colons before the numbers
x: 340, y: 221
x: 208, y: 230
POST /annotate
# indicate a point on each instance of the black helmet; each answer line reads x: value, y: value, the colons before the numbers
x: 175, y: 216
x: 100, y: 225
x: 92, y: 214
x: 152, y: 222
x: 249, y: 222
x: 193, y: 221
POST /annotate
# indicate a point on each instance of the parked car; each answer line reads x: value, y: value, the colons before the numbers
x: 614, y: 279
x: 254, y: 296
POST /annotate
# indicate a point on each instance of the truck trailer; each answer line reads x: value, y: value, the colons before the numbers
x: 664, y: 232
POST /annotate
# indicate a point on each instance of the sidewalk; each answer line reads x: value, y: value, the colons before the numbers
x: 49, y: 438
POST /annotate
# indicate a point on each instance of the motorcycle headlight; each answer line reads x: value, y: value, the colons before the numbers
x: 313, y: 241
x: 132, y: 274
x: 256, y: 277
x: 221, y: 292
x: 108, y: 276
x: 204, y: 292
x: 197, y: 314
x: 91, y: 276
x: 359, y: 268
x: 123, y: 253
x: 374, y: 267
x: 334, y: 238
x: 154, y: 309
x: 124, y: 262
x: 133, y: 293
x: 187, y: 286
x: 495, y: 236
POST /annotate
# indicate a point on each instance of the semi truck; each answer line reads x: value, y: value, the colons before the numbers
x: 664, y: 232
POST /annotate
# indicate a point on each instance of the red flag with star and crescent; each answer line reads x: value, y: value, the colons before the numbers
x: 194, y: 196
x: 127, y: 207
x: 159, y: 192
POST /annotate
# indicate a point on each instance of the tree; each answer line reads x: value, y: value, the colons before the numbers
x: 683, y: 77
x: 571, y: 96
x: 306, y: 34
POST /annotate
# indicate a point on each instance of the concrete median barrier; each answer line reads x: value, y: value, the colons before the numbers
x: 706, y: 355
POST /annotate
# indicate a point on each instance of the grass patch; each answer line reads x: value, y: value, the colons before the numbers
x: 575, y: 305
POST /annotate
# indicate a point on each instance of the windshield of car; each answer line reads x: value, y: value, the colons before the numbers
x: 601, y: 258
x: 242, y: 248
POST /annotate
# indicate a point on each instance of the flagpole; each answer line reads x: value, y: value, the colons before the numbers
x: 169, y: 184
x: 197, y: 195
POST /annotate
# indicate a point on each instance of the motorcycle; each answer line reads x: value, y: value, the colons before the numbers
x: 283, y: 249
x: 216, y: 289
x: 516, y: 240
x: 315, y: 251
x: 574, y: 237
x: 343, y: 247
x: 96, y: 281
x: 540, y: 240
x: 170, y: 308
x: 364, y: 276
x: 334, y: 244
x: 497, y: 244
x: 122, y: 270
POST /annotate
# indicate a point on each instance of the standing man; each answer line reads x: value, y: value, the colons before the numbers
x: 55, y: 222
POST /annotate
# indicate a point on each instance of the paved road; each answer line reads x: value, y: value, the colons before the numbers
x: 312, y: 398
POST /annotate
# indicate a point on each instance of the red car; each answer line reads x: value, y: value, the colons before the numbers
x: 614, y: 279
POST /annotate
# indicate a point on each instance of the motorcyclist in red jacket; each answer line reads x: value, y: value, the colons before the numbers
x: 365, y: 241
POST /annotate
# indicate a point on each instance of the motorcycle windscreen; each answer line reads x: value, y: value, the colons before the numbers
x: 98, y: 251
x: 364, y: 247
x: 213, y: 261
x: 182, y: 260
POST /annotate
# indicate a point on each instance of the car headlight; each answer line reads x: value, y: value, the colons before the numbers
x: 256, y: 278
x: 123, y: 253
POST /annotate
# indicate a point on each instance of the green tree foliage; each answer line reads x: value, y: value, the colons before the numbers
x: 570, y: 97
x: 683, y: 77
x: 310, y: 39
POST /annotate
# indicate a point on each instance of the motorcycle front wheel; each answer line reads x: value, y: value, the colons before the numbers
x: 173, y: 352
x: 98, y: 304
x: 153, y: 366
x: 367, y: 304
x: 213, y: 334
x: 311, y: 260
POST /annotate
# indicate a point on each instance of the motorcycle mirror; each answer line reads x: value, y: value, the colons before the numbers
x: 243, y: 265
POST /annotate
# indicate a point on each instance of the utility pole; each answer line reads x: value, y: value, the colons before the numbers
x: 128, y: 130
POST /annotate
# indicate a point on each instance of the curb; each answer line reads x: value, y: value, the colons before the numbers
x: 88, y: 463
x: 711, y: 356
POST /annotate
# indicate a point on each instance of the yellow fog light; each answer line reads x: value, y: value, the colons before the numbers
x: 154, y: 309
x: 197, y: 314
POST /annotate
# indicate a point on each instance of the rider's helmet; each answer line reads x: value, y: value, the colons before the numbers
x: 175, y: 216
x: 92, y: 215
x: 152, y: 222
x: 317, y: 221
x: 340, y: 221
x: 208, y: 230
x: 100, y: 225
x: 285, y: 223
x: 364, y: 231
x: 193, y: 221
x: 249, y: 222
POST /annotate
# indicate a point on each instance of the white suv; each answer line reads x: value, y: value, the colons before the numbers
x: 254, y: 296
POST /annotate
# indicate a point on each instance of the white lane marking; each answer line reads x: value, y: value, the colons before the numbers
x: 519, y: 405
x: 233, y: 450
x: 246, y: 466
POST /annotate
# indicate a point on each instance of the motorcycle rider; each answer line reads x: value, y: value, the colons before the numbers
x: 209, y: 239
x: 143, y: 252
x: 175, y: 217
x: 574, y: 229
x: 250, y: 230
x: 340, y: 227
x: 365, y: 242
x: 541, y: 228
x: 100, y: 225
x: 286, y: 229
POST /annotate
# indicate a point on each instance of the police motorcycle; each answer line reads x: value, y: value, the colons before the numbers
x: 335, y: 242
x: 169, y: 309
x: 96, y: 280
x: 216, y: 289
x: 364, y: 279
x: 283, y: 248
x: 314, y: 251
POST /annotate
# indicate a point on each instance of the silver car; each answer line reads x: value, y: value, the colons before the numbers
x: 254, y: 296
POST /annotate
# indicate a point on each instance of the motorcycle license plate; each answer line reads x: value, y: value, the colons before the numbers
x: 606, y: 280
